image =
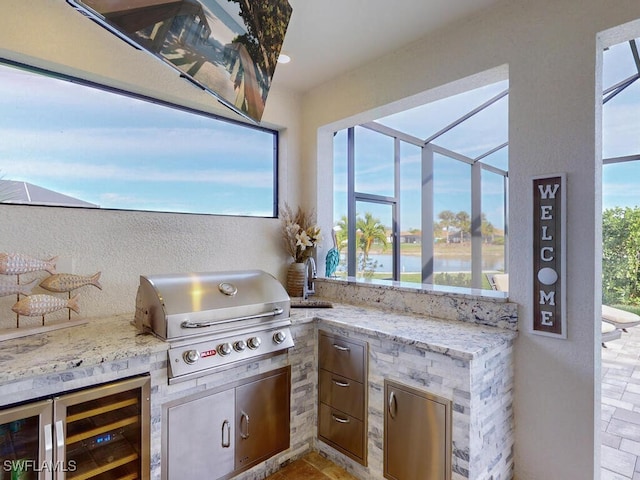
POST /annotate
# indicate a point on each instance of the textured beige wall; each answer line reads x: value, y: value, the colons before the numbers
x: 549, y: 51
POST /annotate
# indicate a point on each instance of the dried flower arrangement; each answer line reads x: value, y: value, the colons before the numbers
x: 300, y: 233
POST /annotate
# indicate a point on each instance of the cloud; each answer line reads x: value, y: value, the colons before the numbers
x: 53, y: 168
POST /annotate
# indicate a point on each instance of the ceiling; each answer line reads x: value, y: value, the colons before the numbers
x: 327, y: 38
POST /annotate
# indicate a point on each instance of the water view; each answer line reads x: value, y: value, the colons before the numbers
x: 413, y: 263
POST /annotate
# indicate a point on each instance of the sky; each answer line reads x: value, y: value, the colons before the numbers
x: 119, y: 152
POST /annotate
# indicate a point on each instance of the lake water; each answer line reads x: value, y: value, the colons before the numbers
x: 411, y: 263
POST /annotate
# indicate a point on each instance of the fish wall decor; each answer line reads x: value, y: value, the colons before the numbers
x: 65, y: 282
x: 13, y: 288
x: 17, y: 264
x: 41, y: 304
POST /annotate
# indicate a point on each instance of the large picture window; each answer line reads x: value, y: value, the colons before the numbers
x: 424, y: 192
x: 67, y: 144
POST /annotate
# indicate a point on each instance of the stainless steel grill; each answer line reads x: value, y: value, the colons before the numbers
x: 214, y: 320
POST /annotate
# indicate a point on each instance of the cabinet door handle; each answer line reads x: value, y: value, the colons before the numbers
x: 340, y: 420
x: 392, y: 405
x: 341, y: 348
x: 244, y: 434
x: 226, y: 427
x: 341, y: 384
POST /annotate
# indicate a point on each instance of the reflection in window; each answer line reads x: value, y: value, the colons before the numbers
x: 62, y: 143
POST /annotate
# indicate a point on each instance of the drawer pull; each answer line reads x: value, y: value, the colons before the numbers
x: 340, y: 420
x: 341, y: 348
x: 341, y: 384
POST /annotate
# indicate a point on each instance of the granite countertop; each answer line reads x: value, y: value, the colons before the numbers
x: 448, y: 337
x: 95, y: 342
x: 113, y: 338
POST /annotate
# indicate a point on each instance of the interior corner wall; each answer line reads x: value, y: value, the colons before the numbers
x: 124, y: 244
x: 550, y: 48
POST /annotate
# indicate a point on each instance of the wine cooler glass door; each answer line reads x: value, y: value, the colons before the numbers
x: 26, y: 442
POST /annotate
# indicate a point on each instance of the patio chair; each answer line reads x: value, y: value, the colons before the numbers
x: 619, y: 318
x: 609, y: 333
x: 614, y: 320
x: 499, y: 281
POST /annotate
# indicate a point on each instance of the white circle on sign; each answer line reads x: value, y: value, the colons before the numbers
x: 548, y: 276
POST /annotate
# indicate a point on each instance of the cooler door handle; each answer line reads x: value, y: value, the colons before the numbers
x: 60, y: 447
x: 48, y: 447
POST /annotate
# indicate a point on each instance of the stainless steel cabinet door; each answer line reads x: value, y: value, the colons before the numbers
x: 417, y: 434
x: 262, y: 419
x: 200, y: 440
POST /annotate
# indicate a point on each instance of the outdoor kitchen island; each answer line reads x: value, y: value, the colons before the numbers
x: 442, y: 350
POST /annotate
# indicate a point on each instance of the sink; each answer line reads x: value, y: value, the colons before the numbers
x: 299, y: 302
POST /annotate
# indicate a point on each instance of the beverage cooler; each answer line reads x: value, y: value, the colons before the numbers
x: 99, y: 433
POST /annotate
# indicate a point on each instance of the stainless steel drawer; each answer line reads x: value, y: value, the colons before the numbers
x: 346, y: 358
x: 342, y: 393
x: 341, y: 431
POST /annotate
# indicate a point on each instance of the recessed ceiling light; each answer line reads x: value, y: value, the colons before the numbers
x: 284, y: 58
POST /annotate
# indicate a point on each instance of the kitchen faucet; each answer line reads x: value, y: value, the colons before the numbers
x: 309, y: 285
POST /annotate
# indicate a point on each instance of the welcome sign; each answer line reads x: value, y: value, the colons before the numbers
x: 549, y: 255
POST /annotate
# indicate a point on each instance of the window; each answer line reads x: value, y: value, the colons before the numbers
x: 66, y: 143
x: 431, y: 183
x: 620, y: 173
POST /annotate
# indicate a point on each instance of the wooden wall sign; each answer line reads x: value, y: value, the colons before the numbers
x: 549, y: 255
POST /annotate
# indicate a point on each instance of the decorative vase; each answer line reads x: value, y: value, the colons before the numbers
x: 295, y: 279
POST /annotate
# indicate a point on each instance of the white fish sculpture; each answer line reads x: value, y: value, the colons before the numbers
x: 17, y: 264
x: 65, y: 282
x: 38, y: 305
x: 13, y: 288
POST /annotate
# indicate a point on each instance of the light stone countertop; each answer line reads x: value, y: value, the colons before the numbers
x: 113, y: 338
x: 95, y: 342
x: 452, y: 338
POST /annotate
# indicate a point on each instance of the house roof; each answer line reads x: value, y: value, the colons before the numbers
x: 25, y: 193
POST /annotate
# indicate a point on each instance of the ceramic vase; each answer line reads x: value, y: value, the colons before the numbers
x: 295, y: 279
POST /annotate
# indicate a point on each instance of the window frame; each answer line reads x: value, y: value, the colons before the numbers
x: 429, y: 149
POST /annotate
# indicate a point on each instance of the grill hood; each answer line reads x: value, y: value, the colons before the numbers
x: 178, y: 306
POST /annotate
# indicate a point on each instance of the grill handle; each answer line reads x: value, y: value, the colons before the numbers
x: 272, y: 313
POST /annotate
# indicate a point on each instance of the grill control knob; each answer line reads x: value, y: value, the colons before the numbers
x: 239, y: 346
x: 279, y: 337
x: 191, y: 356
x: 224, y: 349
x: 253, y: 343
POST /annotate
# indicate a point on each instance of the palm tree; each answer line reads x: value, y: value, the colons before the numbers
x: 487, y: 228
x: 370, y: 230
x: 342, y: 235
x: 463, y: 222
x: 447, y: 220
